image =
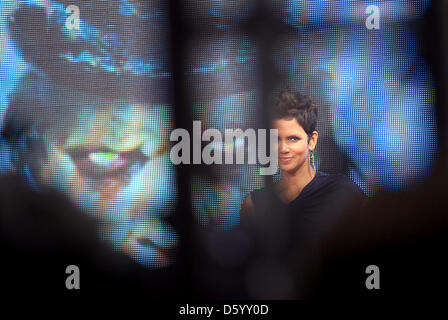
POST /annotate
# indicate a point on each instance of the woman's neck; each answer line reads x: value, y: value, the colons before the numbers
x: 293, y: 182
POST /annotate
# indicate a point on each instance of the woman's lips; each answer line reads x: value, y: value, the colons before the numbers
x: 285, y: 159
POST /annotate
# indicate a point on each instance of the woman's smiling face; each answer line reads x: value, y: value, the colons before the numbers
x: 293, y: 145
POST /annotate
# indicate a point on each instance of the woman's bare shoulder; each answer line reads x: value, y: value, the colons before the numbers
x: 247, y: 207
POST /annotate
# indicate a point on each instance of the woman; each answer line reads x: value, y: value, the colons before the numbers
x: 289, y: 222
x: 303, y: 190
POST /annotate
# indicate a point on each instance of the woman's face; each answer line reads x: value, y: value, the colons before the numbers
x: 293, y: 146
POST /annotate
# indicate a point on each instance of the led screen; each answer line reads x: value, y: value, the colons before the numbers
x: 87, y: 102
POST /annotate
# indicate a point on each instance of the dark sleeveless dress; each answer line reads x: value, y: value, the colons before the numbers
x: 320, y: 201
x: 294, y: 235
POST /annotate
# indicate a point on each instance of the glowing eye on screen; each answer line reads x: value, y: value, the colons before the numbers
x: 103, y: 157
x: 103, y: 163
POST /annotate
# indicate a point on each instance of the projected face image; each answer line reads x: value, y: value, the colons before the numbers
x: 90, y: 114
x: 113, y: 162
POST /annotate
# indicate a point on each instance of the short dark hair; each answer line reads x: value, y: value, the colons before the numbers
x: 293, y: 105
